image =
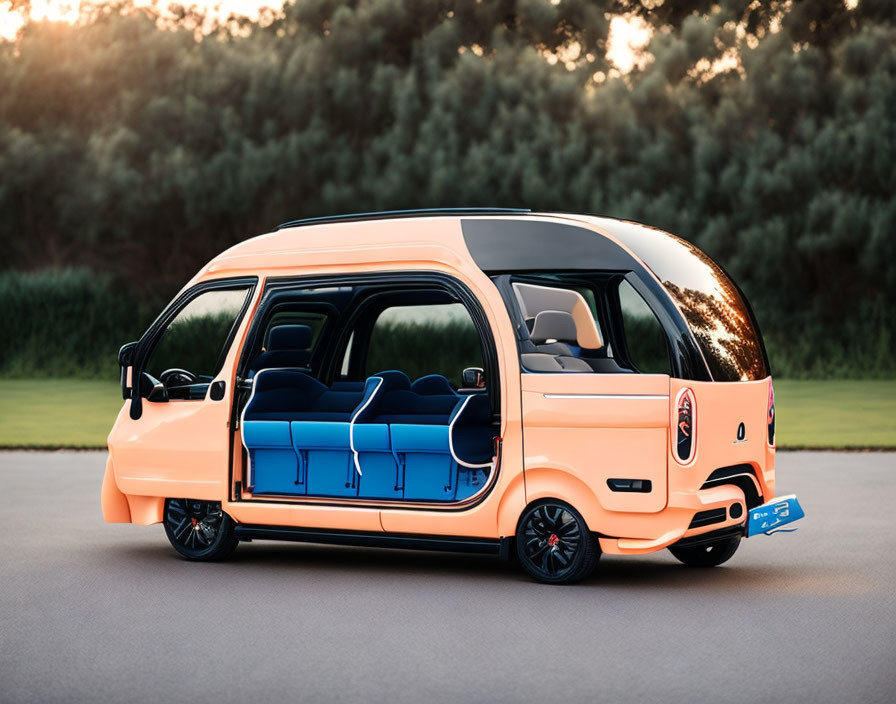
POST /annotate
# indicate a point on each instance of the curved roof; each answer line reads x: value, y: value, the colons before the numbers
x: 399, y: 236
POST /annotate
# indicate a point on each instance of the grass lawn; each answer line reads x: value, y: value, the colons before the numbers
x: 836, y: 414
x: 811, y: 414
x: 57, y: 412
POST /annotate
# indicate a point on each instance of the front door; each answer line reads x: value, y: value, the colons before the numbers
x: 179, y: 444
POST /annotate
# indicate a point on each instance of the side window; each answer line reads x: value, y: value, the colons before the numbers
x: 191, y: 349
x: 644, y: 336
x: 421, y: 340
x: 578, y: 301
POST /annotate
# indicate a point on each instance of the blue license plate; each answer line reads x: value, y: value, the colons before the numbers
x: 776, y: 513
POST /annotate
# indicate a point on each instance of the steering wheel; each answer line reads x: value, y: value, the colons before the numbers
x: 177, y: 377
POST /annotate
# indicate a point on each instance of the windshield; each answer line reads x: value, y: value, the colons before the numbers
x: 714, y: 309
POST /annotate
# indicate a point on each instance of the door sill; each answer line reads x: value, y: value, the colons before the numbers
x: 483, y: 546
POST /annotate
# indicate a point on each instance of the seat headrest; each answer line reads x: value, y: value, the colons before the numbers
x: 289, y: 337
x: 554, y: 325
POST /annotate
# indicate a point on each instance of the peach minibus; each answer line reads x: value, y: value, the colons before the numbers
x: 542, y: 387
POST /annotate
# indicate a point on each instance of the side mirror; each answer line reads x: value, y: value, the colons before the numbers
x: 473, y: 378
x: 152, y: 389
x: 126, y: 361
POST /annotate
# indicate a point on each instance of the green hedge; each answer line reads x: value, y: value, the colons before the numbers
x: 66, y: 323
x: 399, y: 346
x: 71, y: 323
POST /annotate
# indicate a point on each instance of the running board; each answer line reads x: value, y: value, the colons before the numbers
x: 484, y: 546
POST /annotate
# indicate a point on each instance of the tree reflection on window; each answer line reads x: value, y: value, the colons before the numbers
x: 710, y: 302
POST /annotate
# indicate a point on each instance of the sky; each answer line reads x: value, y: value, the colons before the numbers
x: 627, y: 34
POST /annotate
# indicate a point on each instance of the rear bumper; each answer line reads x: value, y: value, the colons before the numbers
x: 722, y: 515
x: 696, y: 513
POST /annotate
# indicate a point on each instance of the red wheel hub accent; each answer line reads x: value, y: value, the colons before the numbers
x: 553, y: 540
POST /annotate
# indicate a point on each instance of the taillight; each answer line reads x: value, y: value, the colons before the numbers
x: 770, y: 415
x: 685, y: 440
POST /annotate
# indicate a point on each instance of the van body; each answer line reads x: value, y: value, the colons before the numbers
x: 543, y: 386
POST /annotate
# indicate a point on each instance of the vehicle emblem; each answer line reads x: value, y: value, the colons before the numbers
x: 741, y: 434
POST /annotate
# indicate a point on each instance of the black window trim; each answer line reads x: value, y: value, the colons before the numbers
x: 491, y: 358
x: 148, y: 341
x: 685, y: 357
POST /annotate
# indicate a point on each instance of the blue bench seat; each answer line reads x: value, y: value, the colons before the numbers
x: 387, y: 439
x: 289, y: 406
x: 382, y: 475
x: 270, y: 447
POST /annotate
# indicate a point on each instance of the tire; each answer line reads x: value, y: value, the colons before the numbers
x: 199, y: 530
x: 554, y: 543
x: 707, y: 554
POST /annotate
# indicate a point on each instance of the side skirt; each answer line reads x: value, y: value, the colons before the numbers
x: 485, y: 546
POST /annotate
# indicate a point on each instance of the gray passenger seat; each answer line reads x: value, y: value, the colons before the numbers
x: 552, y: 333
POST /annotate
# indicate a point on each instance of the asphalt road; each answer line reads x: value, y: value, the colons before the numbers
x: 108, y: 613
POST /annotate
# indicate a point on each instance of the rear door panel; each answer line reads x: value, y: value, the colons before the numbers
x: 599, y: 427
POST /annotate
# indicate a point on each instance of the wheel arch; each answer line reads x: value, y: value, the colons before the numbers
x: 552, y: 483
x: 511, y: 506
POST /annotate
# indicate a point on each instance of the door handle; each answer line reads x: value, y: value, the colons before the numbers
x: 216, y: 393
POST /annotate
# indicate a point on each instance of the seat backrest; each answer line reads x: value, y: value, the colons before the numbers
x: 410, y: 407
x: 292, y: 395
x: 357, y: 386
x: 394, y: 401
x: 288, y: 346
x: 284, y: 391
x: 433, y: 385
x: 533, y: 299
x: 552, y: 334
x: 554, y: 325
x: 375, y: 390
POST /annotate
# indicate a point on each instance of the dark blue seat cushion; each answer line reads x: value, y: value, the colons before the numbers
x: 319, y: 435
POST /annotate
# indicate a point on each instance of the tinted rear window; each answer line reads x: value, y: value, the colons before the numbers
x: 715, y: 311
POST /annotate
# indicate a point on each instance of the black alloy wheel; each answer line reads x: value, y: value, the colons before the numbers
x: 554, y: 543
x: 199, y: 530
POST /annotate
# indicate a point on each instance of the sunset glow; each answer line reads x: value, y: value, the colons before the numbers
x: 629, y: 34
x: 629, y: 37
x: 69, y: 10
